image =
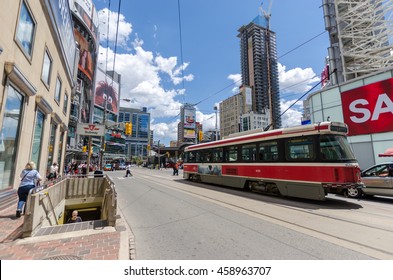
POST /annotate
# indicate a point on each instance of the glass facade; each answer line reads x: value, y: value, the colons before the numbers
x: 37, y: 137
x: 136, y: 144
x: 9, y: 136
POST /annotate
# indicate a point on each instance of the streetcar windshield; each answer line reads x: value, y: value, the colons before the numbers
x: 335, y: 147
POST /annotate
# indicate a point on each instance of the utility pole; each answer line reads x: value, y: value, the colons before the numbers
x: 159, y: 156
x: 215, y: 108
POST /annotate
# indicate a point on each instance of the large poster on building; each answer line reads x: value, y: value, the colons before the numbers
x: 248, y: 96
x: 85, y: 10
x: 60, y: 15
x: 369, y: 109
x: 87, y: 55
x: 189, y: 118
x: 106, y: 89
x: 189, y: 134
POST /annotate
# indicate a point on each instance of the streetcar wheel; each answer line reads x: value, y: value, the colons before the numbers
x: 353, y: 193
x: 247, y: 187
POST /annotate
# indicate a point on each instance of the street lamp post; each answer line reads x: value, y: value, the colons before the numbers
x: 103, y: 137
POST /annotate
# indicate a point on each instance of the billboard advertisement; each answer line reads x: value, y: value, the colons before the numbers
x: 106, y: 89
x: 87, y: 55
x: 85, y: 10
x: 248, y: 96
x: 189, y: 118
x: 60, y: 15
x: 369, y: 109
x: 189, y: 134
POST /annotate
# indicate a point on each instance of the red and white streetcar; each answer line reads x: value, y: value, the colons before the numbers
x: 307, y: 161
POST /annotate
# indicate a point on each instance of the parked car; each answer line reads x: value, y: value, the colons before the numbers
x: 377, y: 179
x: 108, y: 167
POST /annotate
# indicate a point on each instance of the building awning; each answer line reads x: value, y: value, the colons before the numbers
x: 387, y: 153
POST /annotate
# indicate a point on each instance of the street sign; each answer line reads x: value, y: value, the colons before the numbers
x: 90, y: 129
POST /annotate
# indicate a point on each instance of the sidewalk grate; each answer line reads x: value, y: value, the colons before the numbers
x: 97, y: 224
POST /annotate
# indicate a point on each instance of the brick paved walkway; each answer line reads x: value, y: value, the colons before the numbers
x: 103, y: 244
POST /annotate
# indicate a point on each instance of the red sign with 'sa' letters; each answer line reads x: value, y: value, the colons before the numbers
x: 369, y: 109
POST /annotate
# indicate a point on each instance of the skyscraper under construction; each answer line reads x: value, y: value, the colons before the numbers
x: 259, y: 69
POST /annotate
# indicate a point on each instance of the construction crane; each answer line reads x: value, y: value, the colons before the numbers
x: 267, y: 14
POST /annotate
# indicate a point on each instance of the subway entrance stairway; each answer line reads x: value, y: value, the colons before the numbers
x: 102, y: 239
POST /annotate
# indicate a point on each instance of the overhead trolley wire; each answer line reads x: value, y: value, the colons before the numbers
x: 181, y: 46
x: 288, y: 52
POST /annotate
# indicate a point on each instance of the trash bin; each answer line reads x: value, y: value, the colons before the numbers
x: 98, y: 173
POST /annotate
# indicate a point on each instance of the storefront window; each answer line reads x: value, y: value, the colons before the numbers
x: 59, y: 161
x: 38, y: 131
x: 9, y: 137
x: 52, y: 141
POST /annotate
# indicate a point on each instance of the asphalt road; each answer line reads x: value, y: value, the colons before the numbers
x: 175, y: 219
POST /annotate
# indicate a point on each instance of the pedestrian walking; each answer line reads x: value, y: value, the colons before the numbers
x: 30, y: 178
x: 128, y: 170
x: 176, y: 169
x: 53, y: 172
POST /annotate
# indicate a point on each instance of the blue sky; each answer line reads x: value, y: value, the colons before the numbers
x: 149, y: 57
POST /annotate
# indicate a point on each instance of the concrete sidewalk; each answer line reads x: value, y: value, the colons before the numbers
x: 104, y: 243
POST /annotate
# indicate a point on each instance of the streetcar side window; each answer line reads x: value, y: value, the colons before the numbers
x: 198, y: 156
x: 207, y: 156
x: 248, y: 152
x: 190, y: 157
x: 231, y: 154
x: 217, y: 155
x: 268, y: 151
x: 301, y: 148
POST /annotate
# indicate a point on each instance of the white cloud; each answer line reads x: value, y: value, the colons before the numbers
x: 144, y: 73
x: 124, y: 29
x: 165, y: 131
x: 237, y: 80
x: 208, y: 121
x: 296, y: 80
x: 293, y: 116
x: 169, y: 66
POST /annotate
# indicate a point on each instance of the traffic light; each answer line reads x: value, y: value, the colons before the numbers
x: 128, y: 128
x: 84, y: 149
x: 200, y: 136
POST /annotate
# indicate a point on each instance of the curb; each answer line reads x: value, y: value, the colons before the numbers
x: 127, y: 240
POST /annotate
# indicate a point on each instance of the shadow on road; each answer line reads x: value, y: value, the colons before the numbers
x: 331, y: 202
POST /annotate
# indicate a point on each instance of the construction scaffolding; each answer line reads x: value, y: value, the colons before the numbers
x: 361, y: 37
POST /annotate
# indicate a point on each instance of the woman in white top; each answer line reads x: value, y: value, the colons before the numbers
x: 29, y: 176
